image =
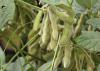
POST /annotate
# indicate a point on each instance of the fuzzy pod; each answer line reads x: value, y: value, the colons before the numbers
x: 52, y: 44
x: 66, y: 34
x: 45, y: 37
x: 37, y: 20
x: 33, y: 39
x: 89, y: 67
x: 67, y: 56
x: 78, y: 28
x: 59, y: 57
x: 32, y: 33
x: 33, y: 49
x: 54, y: 24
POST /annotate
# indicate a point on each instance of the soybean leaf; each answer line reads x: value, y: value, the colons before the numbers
x: 2, y: 57
x: 17, y: 65
x: 77, y: 8
x: 87, y: 3
x: 46, y: 67
x: 10, y: 67
x: 7, y: 9
x: 95, y: 22
x: 96, y: 6
x: 89, y: 40
x: 98, y: 67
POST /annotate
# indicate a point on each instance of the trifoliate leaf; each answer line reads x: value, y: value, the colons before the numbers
x: 89, y: 40
x: 7, y: 9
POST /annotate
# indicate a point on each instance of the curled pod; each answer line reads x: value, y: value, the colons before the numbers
x: 67, y: 55
x: 45, y: 37
x: 54, y: 24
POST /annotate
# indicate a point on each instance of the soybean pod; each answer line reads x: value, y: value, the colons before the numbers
x: 46, y: 31
x: 37, y: 20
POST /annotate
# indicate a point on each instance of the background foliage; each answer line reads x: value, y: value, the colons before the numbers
x: 49, y: 35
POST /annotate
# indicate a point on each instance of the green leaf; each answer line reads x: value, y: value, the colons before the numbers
x: 77, y: 8
x: 89, y: 40
x: 17, y: 65
x: 95, y: 22
x: 7, y: 9
x: 98, y: 67
x: 87, y: 3
x: 46, y: 67
x: 96, y: 6
x: 2, y: 57
x: 20, y: 65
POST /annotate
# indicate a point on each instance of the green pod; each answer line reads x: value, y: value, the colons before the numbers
x: 90, y: 27
x: 66, y: 34
x: 33, y: 49
x: 32, y: 33
x: 59, y: 57
x: 52, y: 44
x: 45, y: 37
x: 67, y: 56
x: 41, y: 29
x: 79, y: 25
x: 89, y: 61
x: 89, y: 67
x: 37, y: 20
x: 54, y: 24
x: 34, y: 38
x: 48, y: 56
